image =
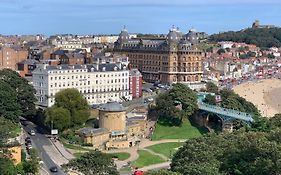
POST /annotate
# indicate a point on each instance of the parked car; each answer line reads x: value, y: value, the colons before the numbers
x: 160, y: 85
x: 138, y: 172
x: 32, y: 132
x: 27, y: 139
x: 28, y: 147
x: 148, y: 99
x: 28, y: 142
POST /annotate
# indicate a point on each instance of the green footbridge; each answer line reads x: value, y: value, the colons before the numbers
x: 223, y: 113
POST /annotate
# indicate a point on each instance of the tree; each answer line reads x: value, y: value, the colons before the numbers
x: 276, y: 120
x: 9, y: 106
x: 75, y: 103
x: 176, y: 104
x: 58, y: 117
x: 210, y: 99
x: 7, y: 130
x: 32, y: 166
x: 211, y: 87
x: 7, y: 166
x: 210, y: 49
x: 71, y: 99
x: 270, y: 55
x: 169, y: 113
x: 251, y: 54
x: 237, y: 153
x: 24, y: 91
x: 93, y: 163
x: 262, y: 37
x: 220, y: 51
x: 186, y: 97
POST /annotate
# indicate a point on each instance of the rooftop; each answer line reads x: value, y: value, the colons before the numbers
x: 112, y: 107
x: 88, y: 131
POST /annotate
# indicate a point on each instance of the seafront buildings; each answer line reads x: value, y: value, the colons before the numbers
x: 99, y: 83
x: 174, y: 59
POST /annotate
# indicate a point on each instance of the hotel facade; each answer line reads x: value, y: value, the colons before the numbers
x: 174, y: 59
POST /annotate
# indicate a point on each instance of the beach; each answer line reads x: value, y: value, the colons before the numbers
x: 264, y: 94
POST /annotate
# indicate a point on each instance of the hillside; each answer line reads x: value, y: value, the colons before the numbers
x: 262, y: 37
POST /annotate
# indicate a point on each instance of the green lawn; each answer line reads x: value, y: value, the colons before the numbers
x: 78, y: 154
x: 146, y: 158
x: 119, y: 156
x: 74, y: 147
x: 166, y: 149
x: 186, y: 131
x: 126, y: 169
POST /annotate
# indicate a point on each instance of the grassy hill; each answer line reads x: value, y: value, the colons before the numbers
x: 263, y: 38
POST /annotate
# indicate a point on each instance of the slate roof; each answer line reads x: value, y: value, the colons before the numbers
x: 112, y: 107
x: 88, y: 131
x: 90, y: 67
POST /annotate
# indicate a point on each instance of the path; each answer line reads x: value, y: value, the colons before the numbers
x: 156, y: 166
x: 156, y: 154
x: 59, y: 146
x: 133, y: 151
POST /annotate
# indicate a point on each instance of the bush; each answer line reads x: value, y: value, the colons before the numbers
x: 87, y: 144
x: 71, y: 137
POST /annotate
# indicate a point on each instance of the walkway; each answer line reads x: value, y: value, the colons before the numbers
x: 133, y: 151
x: 156, y: 166
x: 228, y: 113
x: 59, y: 146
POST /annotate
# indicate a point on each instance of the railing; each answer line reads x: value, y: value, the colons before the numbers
x: 226, y: 112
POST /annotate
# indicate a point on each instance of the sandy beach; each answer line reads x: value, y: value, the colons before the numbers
x: 265, y: 94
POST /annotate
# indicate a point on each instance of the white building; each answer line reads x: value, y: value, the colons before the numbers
x: 226, y: 44
x: 99, y: 83
x: 69, y: 45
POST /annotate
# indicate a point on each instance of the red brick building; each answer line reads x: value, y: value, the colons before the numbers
x: 72, y: 58
x: 9, y: 57
x: 26, y: 67
x: 135, y: 79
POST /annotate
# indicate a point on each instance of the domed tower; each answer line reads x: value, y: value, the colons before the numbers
x: 123, y: 36
x: 173, y: 39
x: 173, y: 36
x: 192, y: 37
x: 112, y: 116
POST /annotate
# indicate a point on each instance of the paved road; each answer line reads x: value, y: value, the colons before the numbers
x: 40, y: 141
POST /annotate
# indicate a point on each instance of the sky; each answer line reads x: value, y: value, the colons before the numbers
x: 51, y: 17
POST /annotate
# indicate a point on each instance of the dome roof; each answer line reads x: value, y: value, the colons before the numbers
x: 173, y: 35
x: 191, y: 36
x: 123, y: 36
x: 112, y: 107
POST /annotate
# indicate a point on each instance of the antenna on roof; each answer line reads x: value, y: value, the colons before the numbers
x: 124, y: 28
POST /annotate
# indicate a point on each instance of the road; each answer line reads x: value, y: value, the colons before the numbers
x: 40, y: 141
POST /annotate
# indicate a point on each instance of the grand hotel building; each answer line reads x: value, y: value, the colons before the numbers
x: 174, y: 59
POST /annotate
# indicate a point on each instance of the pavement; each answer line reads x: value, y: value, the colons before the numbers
x: 59, y: 146
x: 47, y: 152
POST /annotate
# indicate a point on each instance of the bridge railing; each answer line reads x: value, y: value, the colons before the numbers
x: 227, y: 112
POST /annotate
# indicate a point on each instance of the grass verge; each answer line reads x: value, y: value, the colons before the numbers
x: 146, y: 159
x: 166, y: 149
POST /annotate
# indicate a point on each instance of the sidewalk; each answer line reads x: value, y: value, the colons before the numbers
x: 59, y: 146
